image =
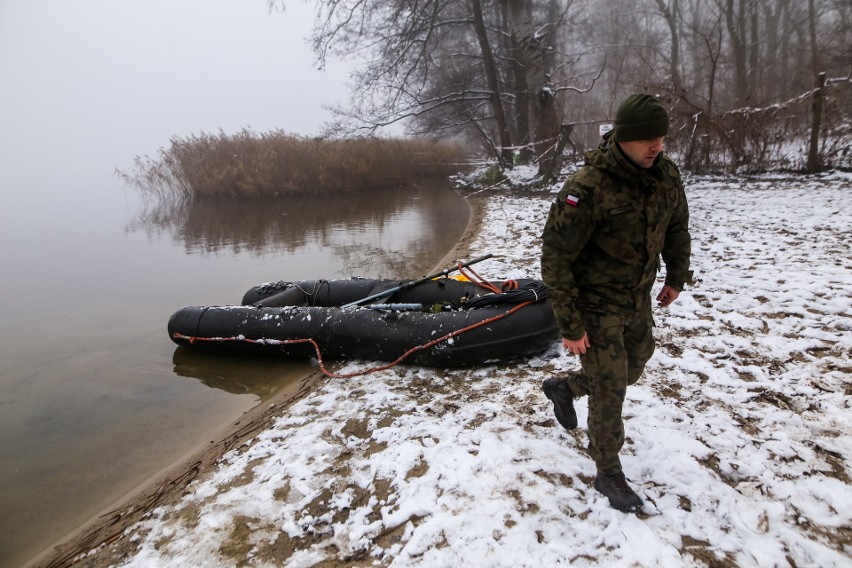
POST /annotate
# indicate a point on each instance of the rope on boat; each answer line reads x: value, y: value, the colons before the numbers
x: 482, y: 282
x: 532, y: 292
x: 510, y: 293
x: 333, y: 375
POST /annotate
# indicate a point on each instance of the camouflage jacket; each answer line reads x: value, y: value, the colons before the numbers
x: 605, y: 233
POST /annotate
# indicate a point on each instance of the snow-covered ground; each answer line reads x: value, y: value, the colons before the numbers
x: 738, y: 434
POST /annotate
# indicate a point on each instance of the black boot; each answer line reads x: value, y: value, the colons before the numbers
x: 620, y: 496
x: 556, y: 389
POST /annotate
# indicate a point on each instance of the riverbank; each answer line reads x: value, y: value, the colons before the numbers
x: 171, y: 482
x: 736, y: 434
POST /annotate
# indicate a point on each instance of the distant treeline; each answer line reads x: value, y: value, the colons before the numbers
x: 252, y: 165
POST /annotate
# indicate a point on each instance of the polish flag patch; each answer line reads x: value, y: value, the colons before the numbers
x: 572, y: 200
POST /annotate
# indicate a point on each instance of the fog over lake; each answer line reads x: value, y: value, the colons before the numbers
x: 94, y: 398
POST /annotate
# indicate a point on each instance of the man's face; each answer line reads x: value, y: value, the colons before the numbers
x: 643, y: 152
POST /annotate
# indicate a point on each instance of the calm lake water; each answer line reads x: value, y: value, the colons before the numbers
x: 94, y: 397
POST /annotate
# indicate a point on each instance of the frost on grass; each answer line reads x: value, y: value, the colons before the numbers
x: 738, y: 434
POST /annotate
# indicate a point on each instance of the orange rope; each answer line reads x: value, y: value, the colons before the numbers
x: 365, y: 371
x: 478, y: 280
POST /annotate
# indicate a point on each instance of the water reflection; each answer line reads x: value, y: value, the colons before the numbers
x: 384, y: 229
x: 259, y: 376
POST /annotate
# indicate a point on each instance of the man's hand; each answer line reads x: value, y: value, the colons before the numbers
x: 578, y: 346
x: 666, y: 296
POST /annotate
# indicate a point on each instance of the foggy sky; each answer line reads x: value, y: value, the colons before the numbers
x: 89, y: 84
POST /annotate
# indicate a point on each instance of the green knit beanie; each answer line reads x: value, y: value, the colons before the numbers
x: 640, y: 117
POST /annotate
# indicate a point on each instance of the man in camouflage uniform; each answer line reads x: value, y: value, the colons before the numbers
x: 601, y: 250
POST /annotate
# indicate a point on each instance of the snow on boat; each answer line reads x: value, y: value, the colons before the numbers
x: 440, y: 322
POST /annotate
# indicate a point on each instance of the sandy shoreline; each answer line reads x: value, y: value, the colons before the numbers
x: 169, y: 485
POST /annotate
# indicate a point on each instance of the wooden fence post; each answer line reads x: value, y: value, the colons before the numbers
x: 816, y: 120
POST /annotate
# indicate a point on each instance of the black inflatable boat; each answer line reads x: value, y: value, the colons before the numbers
x: 442, y: 322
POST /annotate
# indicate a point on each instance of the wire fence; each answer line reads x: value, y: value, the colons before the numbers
x: 748, y: 140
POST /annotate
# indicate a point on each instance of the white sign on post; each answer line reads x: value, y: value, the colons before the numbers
x: 604, y: 128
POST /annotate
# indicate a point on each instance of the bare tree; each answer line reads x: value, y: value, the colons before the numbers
x: 448, y: 67
x: 490, y: 67
x: 531, y: 51
x: 512, y: 73
x: 735, y: 20
x: 670, y: 13
x: 406, y: 46
x: 774, y: 56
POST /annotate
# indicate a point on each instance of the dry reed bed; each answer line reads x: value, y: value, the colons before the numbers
x: 255, y: 165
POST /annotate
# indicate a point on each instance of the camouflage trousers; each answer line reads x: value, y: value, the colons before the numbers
x: 620, y: 347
